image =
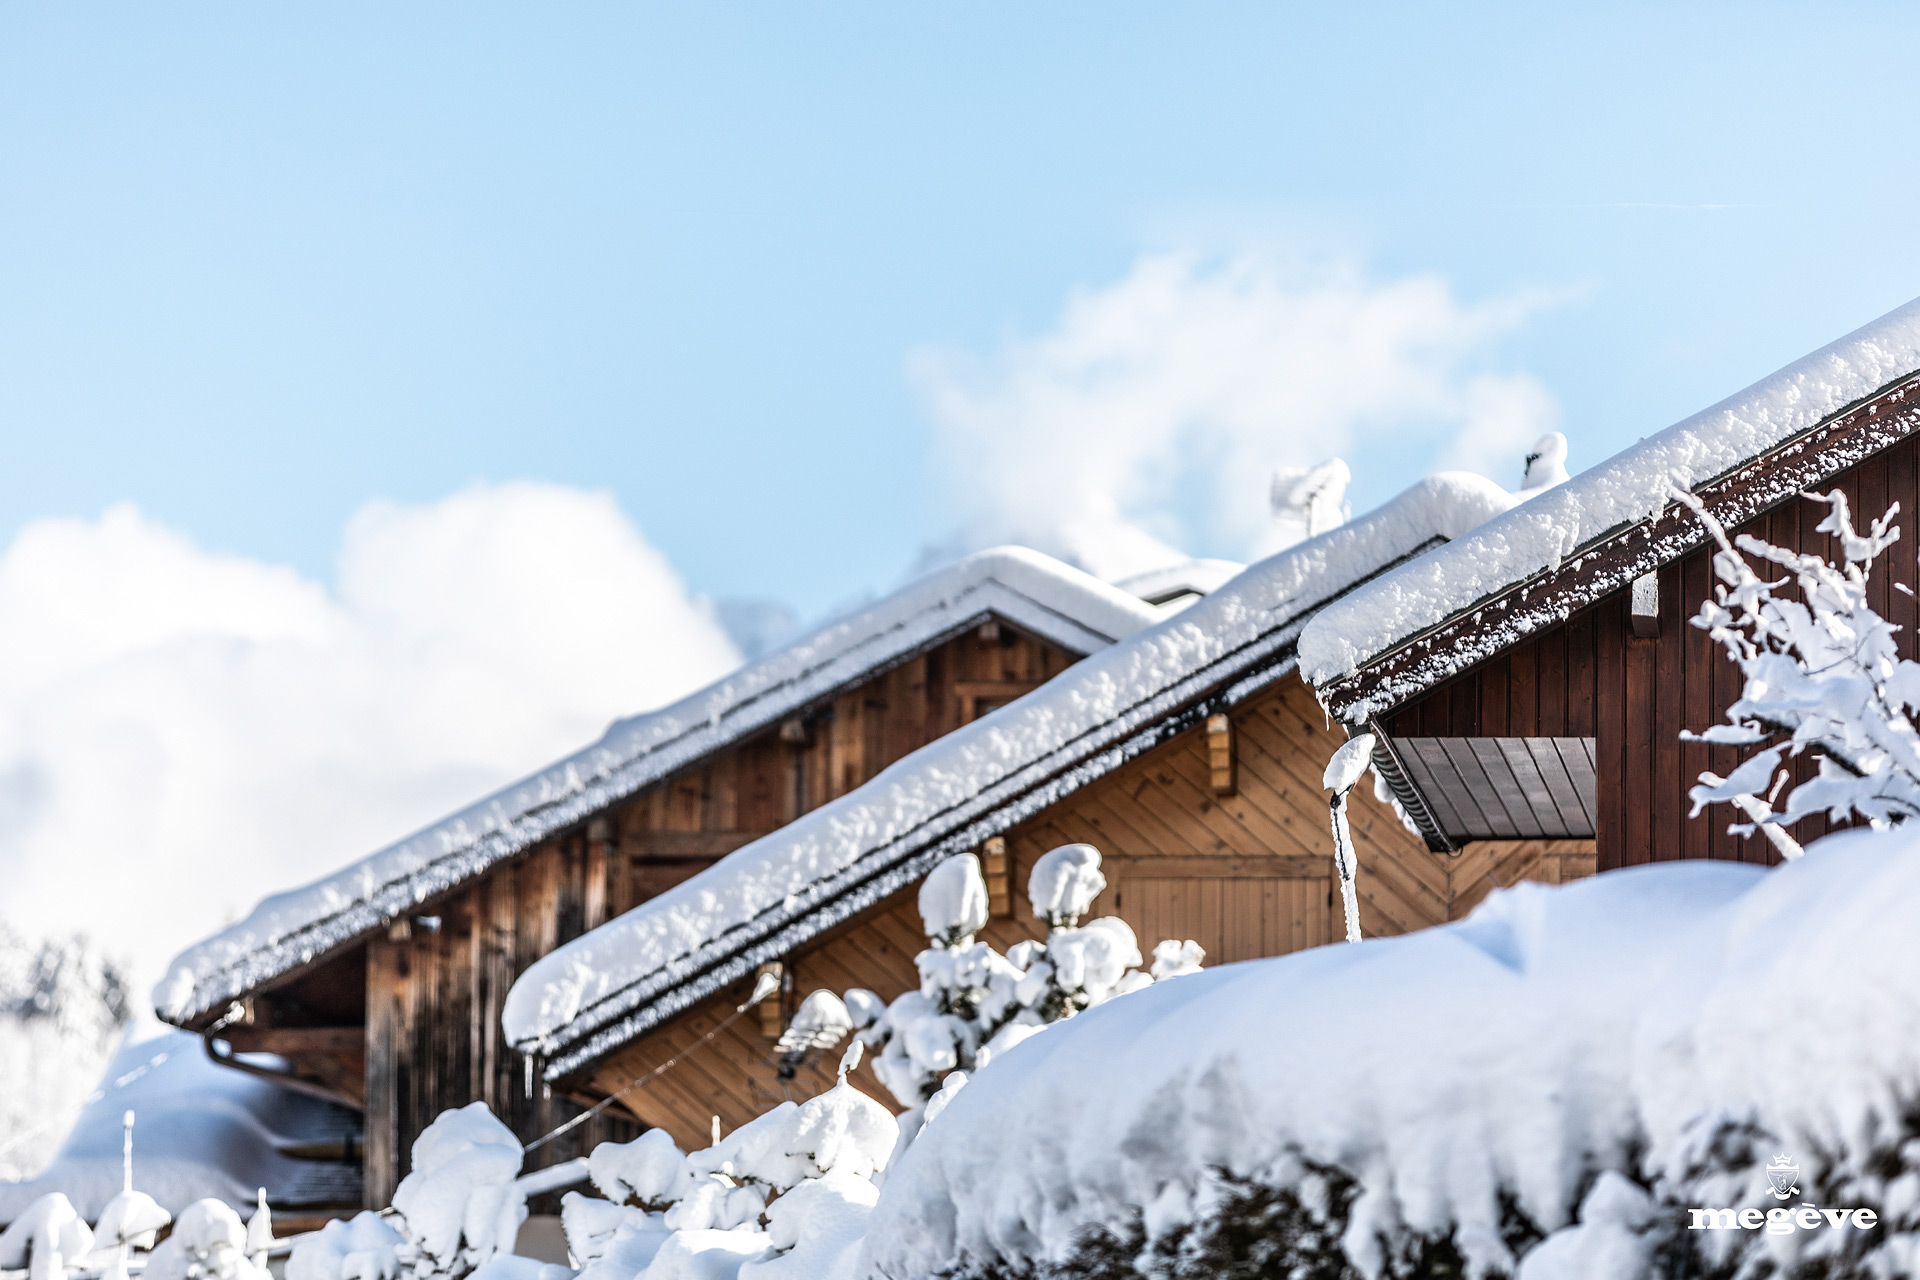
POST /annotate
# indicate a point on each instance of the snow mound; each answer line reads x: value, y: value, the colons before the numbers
x: 460, y: 1200
x: 363, y: 1248
x: 1557, y: 522
x: 204, y: 1131
x: 953, y: 900
x: 1442, y: 1071
x: 1064, y: 882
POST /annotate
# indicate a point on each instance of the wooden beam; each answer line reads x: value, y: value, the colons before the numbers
x: 1220, y: 757
x: 386, y: 979
x: 997, y: 873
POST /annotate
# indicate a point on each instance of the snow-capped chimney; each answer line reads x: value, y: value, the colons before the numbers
x: 1547, y: 464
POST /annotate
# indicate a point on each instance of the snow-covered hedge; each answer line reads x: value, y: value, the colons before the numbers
x: 1548, y: 1087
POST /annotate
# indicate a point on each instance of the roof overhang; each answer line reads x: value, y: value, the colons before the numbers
x: 1613, y: 560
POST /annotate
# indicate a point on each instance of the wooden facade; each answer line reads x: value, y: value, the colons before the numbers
x: 1245, y: 874
x: 1592, y: 676
x: 407, y: 1024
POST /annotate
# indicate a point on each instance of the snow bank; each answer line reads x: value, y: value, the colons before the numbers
x: 1440, y: 1069
x: 205, y: 1131
x: 1629, y: 487
x: 1051, y: 599
x: 836, y: 853
x: 1676, y: 1025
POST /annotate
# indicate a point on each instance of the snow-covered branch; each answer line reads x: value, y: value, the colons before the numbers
x: 1822, y: 673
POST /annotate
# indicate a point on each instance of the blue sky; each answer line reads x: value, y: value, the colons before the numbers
x: 265, y: 263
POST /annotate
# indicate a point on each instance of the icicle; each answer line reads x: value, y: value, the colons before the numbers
x: 716, y: 1131
x: 1348, y: 766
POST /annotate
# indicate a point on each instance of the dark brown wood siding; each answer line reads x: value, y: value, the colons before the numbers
x: 1590, y: 676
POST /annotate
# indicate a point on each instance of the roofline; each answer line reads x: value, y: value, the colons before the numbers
x: 296, y: 952
x: 631, y: 1011
x: 1613, y: 559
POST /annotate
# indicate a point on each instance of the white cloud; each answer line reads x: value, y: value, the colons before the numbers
x: 1152, y: 413
x: 182, y: 732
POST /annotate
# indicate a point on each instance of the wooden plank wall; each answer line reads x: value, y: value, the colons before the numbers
x: 1245, y: 875
x: 688, y: 822
x: 1591, y: 676
x: 434, y: 995
x: 433, y: 1000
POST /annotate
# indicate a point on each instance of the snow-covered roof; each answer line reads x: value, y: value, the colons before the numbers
x: 202, y: 1130
x: 602, y: 989
x: 1176, y: 585
x: 1044, y: 596
x: 1560, y: 526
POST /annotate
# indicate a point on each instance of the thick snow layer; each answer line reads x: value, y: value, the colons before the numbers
x: 1050, y: 599
x: 1558, y: 1033
x: 1630, y: 487
x: 1064, y: 882
x: 460, y: 1191
x: 837, y: 853
x: 953, y: 900
x: 202, y: 1131
x: 364, y: 1248
x: 1176, y: 586
x: 208, y: 1243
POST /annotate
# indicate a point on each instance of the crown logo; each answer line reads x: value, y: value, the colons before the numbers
x: 1784, y: 1175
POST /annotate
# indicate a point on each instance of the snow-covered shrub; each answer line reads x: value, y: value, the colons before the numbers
x: 1822, y: 674
x: 1546, y: 1090
x: 365, y: 1247
x: 209, y: 1242
x: 973, y: 1002
x: 701, y: 1214
x: 131, y: 1218
x: 45, y: 1239
x: 459, y: 1207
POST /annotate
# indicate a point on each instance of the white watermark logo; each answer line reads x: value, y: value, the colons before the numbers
x: 1783, y: 1176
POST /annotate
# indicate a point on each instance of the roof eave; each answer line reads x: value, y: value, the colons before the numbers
x: 1612, y: 560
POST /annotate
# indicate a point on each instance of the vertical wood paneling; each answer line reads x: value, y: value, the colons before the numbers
x: 385, y: 1026
x: 1634, y: 696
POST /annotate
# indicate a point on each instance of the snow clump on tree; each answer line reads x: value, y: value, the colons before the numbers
x: 974, y: 1003
x: 1823, y: 673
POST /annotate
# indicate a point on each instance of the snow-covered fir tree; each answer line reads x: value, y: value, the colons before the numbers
x: 62, y: 1007
x: 973, y: 1002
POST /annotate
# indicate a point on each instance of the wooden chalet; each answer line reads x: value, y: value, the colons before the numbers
x: 1189, y: 754
x: 381, y: 987
x: 1532, y: 680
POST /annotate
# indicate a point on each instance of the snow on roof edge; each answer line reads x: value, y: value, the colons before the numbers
x: 1628, y: 488
x: 1189, y: 577
x: 1054, y: 600
x: 591, y: 978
